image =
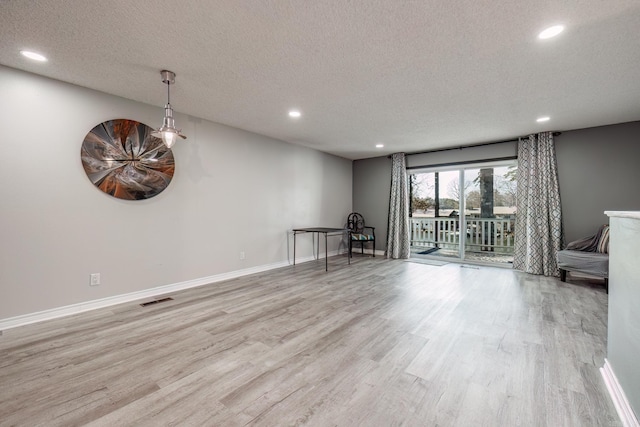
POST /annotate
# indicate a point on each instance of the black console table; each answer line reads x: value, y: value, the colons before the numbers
x: 327, y: 231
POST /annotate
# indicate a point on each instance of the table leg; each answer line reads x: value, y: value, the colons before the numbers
x: 326, y: 254
x: 294, y: 248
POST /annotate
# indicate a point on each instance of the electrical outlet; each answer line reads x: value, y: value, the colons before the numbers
x: 94, y: 279
x: 241, y: 254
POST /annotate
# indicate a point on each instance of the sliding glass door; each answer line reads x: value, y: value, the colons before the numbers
x: 464, y: 213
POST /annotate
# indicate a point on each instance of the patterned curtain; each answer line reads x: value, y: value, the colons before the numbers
x: 398, y: 227
x: 538, y: 234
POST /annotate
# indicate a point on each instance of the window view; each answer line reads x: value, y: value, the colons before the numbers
x: 479, y: 201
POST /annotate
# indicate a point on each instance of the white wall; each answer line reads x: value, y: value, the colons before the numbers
x: 232, y: 190
x: 623, y: 323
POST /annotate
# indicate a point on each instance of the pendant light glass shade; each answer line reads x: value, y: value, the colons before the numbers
x: 168, y: 132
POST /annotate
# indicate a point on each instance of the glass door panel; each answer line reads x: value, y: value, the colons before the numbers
x: 435, y: 214
x: 447, y: 213
x: 466, y: 213
x: 490, y: 196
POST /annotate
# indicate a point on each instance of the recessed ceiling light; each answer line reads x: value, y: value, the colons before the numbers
x: 294, y: 113
x: 379, y: 145
x: 543, y: 119
x: 551, y: 32
x: 33, y: 55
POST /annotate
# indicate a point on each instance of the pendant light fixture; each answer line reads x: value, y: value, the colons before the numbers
x: 168, y: 132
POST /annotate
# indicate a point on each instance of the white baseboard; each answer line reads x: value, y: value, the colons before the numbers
x: 54, y: 313
x: 625, y: 412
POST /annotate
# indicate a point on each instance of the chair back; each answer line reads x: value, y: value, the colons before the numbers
x: 355, y: 223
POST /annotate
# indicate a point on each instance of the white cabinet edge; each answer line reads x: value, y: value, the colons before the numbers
x: 623, y: 214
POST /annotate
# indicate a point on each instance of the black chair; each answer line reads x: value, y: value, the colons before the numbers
x: 358, y: 233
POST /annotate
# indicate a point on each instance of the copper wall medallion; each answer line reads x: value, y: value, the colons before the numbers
x: 122, y: 159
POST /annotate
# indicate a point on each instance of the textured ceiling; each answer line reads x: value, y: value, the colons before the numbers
x: 413, y: 75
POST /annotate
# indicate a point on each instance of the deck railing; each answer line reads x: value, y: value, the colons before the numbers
x: 482, y: 234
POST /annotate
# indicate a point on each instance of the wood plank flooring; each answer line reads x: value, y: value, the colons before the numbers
x: 377, y: 343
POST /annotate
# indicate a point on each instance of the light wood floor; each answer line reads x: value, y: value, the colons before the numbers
x: 377, y: 343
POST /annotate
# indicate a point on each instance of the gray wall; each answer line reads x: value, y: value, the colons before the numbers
x: 232, y: 191
x: 599, y: 170
x: 468, y: 154
x: 371, y: 186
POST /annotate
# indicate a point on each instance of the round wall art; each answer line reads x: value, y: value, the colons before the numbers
x: 122, y: 159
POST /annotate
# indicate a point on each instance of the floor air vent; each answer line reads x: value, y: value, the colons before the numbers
x: 156, y: 301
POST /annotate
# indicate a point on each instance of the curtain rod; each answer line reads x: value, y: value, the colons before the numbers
x: 440, y: 165
x: 469, y: 146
